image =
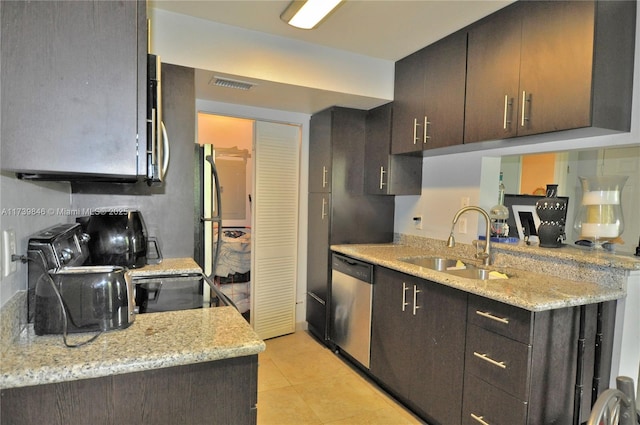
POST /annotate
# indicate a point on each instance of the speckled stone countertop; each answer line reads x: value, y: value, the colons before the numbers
x: 153, y: 341
x: 530, y: 290
x: 168, y: 266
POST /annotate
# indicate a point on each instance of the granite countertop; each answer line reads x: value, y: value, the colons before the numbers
x: 168, y: 266
x: 154, y: 340
x: 525, y: 289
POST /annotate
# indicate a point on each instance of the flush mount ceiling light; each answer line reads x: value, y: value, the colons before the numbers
x: 229, y: 83
x: 306, y: 14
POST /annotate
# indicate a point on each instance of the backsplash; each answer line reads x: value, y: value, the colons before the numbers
x: 13, y: 318
x: 28, y: 207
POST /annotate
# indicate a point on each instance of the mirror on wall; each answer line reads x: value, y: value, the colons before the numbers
x: 529, y: 175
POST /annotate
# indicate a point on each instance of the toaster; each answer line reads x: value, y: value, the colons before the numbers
x: 91, y: 298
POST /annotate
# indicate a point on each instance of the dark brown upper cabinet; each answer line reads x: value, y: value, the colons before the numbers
x: 74, y: 85
x: 429, y: 96
x: 320, y: 153
x: 546, y: 66
x: 386, y: 174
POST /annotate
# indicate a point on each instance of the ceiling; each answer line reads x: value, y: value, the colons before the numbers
x: 382, y: 29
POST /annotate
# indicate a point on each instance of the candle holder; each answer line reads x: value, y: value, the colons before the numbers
x: 599, y: 218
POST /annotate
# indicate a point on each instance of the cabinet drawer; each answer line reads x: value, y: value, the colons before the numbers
x: 485, y: 404
x: 498, y: 360
x: 504, y: 319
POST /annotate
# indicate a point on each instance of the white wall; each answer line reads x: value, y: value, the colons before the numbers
x: 261, y: 114
x: 232, y: 50
x: 29, y: 207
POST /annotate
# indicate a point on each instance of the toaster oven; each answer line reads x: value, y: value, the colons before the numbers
x: 95, y: 298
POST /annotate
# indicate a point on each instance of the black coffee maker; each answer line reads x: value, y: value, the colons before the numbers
x: 120, y: 239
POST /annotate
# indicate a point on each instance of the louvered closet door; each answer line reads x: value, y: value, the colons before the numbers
x: 275, y: 229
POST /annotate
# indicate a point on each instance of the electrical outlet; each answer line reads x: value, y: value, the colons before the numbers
x: 417, y: 222
x: 8, y: 249
x: 464, y: 201
x: 462, y: 225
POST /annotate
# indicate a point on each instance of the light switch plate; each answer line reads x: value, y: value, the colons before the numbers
x: 8, y: 249
x: 462, y: 225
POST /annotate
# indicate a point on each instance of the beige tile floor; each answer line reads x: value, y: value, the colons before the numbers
x: 302, y: 382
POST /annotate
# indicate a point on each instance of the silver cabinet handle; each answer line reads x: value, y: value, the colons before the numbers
x: 488, y: 315
x: 524, y: 103
x: 315, y: 297
x: 324, y: 176
x: 415, y: 130
x: 426, y: 136
x: 479, y: 419
x: 324, y: 212
x: 165, y: 151
x: 405, y: 288
x: 505, y: 121
x: 486, y: 358
x: 416, y: 291
x: 382, y: 173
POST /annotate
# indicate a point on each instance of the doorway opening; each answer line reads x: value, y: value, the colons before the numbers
x: 228, y: 142
x: 249, y: 226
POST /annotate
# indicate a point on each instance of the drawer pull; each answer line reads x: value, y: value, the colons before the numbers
x: 492, y: 317
x: 480, y: 419
x: 490, y: 360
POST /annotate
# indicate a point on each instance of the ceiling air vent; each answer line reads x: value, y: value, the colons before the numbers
x: 229, y: 83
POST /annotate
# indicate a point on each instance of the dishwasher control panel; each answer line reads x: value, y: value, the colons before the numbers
x: 355, y: 268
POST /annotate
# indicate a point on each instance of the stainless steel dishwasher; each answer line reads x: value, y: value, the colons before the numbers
x: 351, y: 298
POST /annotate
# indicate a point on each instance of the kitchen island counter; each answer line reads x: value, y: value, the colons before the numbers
x: 533, y: 291
x: 153, y: 341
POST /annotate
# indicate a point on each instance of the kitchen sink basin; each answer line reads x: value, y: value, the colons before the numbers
x: 471, y: 273
x: 433, y: 263
x: 448, y: 265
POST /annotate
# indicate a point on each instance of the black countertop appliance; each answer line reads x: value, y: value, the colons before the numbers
x: 120, y: 239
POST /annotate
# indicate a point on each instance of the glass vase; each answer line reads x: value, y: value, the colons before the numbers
x: 599, y: 217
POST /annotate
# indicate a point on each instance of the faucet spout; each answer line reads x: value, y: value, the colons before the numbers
x: 451, y: 242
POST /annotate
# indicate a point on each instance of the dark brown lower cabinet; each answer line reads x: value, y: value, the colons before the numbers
x: 457, y: 358
x: 521, y: 366
x: 417, y: 347
x: 223, y: 391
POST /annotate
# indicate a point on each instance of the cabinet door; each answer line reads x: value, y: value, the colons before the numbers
x: 493, y: 75
x: 318, y: 261
x: 70, y: 87
x: 387, y: 174
x: 320, y: 152
x: 377, y: 150
x: 438, y: 357
x: 391, y: 330
x: 556, y: 66
x: 445, y: 73
x: 408, y: 104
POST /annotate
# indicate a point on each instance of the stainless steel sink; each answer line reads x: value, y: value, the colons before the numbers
x: 447, y: 265
x: 433, y: 263
x: 471, y: 273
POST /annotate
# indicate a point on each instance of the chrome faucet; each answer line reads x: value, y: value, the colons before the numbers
x: 451, y: 242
